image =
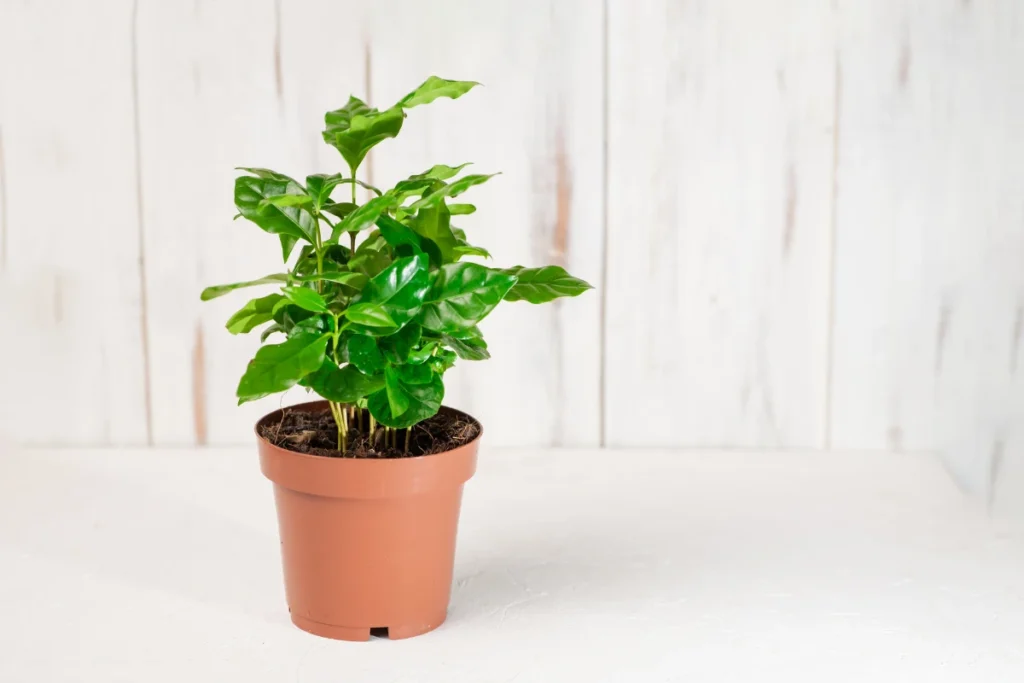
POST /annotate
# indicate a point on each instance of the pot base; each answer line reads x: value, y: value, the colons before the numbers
x: 397, y: 632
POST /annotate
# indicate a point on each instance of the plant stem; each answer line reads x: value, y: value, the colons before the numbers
x: 344, y: 419
x: 339, y: 422
x: 373, y: 429
x: 318, y: 246
x: 408, y: 431
x: 352, y: 236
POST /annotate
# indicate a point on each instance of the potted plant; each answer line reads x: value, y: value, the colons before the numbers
x: 374, y: 307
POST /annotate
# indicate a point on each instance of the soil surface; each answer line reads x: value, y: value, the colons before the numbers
x: 315, y: 433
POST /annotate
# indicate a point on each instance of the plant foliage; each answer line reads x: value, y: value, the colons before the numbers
x: 378, y: 302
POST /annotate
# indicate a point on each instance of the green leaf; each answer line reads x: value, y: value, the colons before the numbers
x: 253, y: 314
x: 339, y: 209
x: 364, y: 354
x: 452, y: 190
x: 363, y: 217
x: 344, y: 385
x: 269, y: 330
x: 287, y: 314
x: 442, y: 361
x: 461, y: 209
x: 342, y: 277
x: 372, y: 315
x: 414, y: 374
x: 441, y: 171
x: 267, y: 174
x: 277, y: 367
x: 315, y: 324
x: 287, y: 244
x: 462, y: 295
x: 306, y: 298
x: 285, y: 200
x: 397, y: 235
x: 435, y: 87
x: 320, y: 186
x: 397, y: 347
x: 423, y: 353
x: 291, y: 221
x: 540, y: 285
x: 469, y: 250
x: 469, y: 348
x: 398, y: 290
x: 220, y: 290
x: 424, y: 400
x: 370, y: 262
x: 398, y: 398
x: 434, y: 223
x: 356, y: 128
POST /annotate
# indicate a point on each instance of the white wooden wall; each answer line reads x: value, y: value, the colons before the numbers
x: 805, y: 219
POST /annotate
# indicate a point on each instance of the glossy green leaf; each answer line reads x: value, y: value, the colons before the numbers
x: 397, y: 347
x: 470, y: 348
x: 469, y: 250
x: 397, y: 235
x: 441, y: 171
x: 371, y: 315
x: 291, y: 221
x: 363, y: 217
x: 370, y: 262
x: 461, y: 295
x: 398, y: 397
x: 354, y: 280
x: 320, y: 186
x: 540, y: 285
x: 423, y: 353
x: 414, y: 374
x: 413, y: 187
x: 398, y: 290
x: 424, y: 400
x: 306, y: 298
x: 364, y: 354
x: 461, y: 209
x: 434, y: 223
x: 267, y: 174
x: 269, y: 330
x: 253, y: 314
x: 442, y: 360
x: 344, y: 385
x: 285, y: 200
x: 288, y: 243
x: 220, y: 290
x: 316, y: 324
x: 451, y: 190
x: 339, y: 209
x: 355, y: 129
x: 277, y: 367
x: 435, y: 87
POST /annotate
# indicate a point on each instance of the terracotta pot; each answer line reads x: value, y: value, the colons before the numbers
x: 367, y: 543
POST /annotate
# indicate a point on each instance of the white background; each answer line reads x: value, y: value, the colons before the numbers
x: 804, y: 220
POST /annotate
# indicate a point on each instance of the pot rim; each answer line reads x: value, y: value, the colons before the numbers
x: 310, y: 406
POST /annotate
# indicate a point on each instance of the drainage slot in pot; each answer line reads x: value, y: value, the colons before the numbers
x: 379, y: 632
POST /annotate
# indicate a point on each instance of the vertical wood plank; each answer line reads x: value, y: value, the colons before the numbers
x: 719, y: 196
x: 538, y: 119
x: 930, y: 233
x: 72, y: 305
x: 224, y: 84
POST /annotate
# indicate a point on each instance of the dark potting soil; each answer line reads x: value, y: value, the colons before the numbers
x: 315, y: 433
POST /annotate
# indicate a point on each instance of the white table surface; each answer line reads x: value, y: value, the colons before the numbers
x: 151, y: 566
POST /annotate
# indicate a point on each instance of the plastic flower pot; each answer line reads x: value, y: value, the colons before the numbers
x: 367, y: 543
